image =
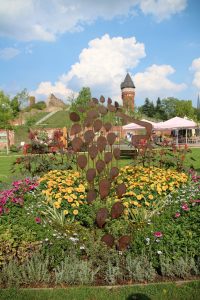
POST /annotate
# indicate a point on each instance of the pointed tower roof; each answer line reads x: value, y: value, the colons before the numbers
x: 128, y: 82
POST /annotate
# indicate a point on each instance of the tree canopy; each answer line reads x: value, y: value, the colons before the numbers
x: 168, y: 108
x: 83, y: 99
x: 6, y: 113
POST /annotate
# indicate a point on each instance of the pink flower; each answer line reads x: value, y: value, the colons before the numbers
x: 195, y: 201
x: 177, y: 215
x: 158, y: 234
x: 38, y: 220
x: 185, y: 207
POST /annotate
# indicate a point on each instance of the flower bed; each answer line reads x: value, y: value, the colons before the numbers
x: 146, y: 186
x: 66, y: 191
x: 38, y: 247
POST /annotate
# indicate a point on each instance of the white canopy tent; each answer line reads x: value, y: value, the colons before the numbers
x: 133, y: 126
x: 175, y: 123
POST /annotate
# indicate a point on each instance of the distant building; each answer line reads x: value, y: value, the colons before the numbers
x: 54, y: 102
x: 128, y: 93
x: 31, y: 101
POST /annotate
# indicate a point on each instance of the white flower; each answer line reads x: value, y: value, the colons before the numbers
x: 73, y: 239
x: 82, y: 247
x: 159, y: 252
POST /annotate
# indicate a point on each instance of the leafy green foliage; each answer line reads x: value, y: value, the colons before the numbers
x: 83, y: 99
x: 6, y: 113
x: 168, y: 108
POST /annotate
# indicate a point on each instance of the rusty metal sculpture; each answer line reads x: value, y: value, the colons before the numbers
x: 101, y: 155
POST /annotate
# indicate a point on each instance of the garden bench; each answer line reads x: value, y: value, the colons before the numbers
x: 128, y: 153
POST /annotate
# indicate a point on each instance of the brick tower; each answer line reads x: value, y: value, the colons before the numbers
x: 128, y: 93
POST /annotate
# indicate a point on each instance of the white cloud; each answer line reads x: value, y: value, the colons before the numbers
x: 103, y: 65
x: 46, y: 19
x: 9, y: 53
x: 195, y: 67
x: 154, y: 82
x: 59, y: 89
x: 162, y: 9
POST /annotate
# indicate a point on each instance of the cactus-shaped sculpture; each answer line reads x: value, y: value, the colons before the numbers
x: 97, y: 153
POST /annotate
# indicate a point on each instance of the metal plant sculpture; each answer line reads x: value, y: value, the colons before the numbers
x: 97, y: 153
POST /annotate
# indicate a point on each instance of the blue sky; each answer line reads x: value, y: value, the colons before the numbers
x: 60, y: 46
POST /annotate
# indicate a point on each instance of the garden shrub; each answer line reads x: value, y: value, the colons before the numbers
x: 181, y: 268
x: 139, y: 268
x: 72, y: 270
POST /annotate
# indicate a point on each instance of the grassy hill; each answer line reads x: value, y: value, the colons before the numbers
x: 59, y: 120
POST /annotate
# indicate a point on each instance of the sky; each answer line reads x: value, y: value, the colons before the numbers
x: 60, y: 46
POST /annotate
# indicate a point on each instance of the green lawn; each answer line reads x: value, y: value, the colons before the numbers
x: 193, y: 158
x: 169, y: 291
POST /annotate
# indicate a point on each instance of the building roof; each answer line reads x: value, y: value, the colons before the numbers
x: 128, y: 82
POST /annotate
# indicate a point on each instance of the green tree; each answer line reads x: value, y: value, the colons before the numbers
x: 6, y: 113
x: 174, y: 107
x: 22, y: 98
x: 169, y: 106
x: 82, y: 100
x: 148, y: 108
x: 184, y: 108
x: 15, y: 105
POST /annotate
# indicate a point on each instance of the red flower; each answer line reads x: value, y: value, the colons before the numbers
x: 158, y: 234
x: 38, y: 220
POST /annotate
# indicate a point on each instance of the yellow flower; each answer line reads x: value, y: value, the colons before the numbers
x: 164, y: 188
x: 147, y: 203
x: 126, y: 212
x: 82, y: 197
x: 70, y: 199
x: 73, y: 196
x: 139, y: 197
x: 65, y: 212
x: 56, y: 204
x: 75, y: 212
x: 69, y: 190
x: 150, y: 197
